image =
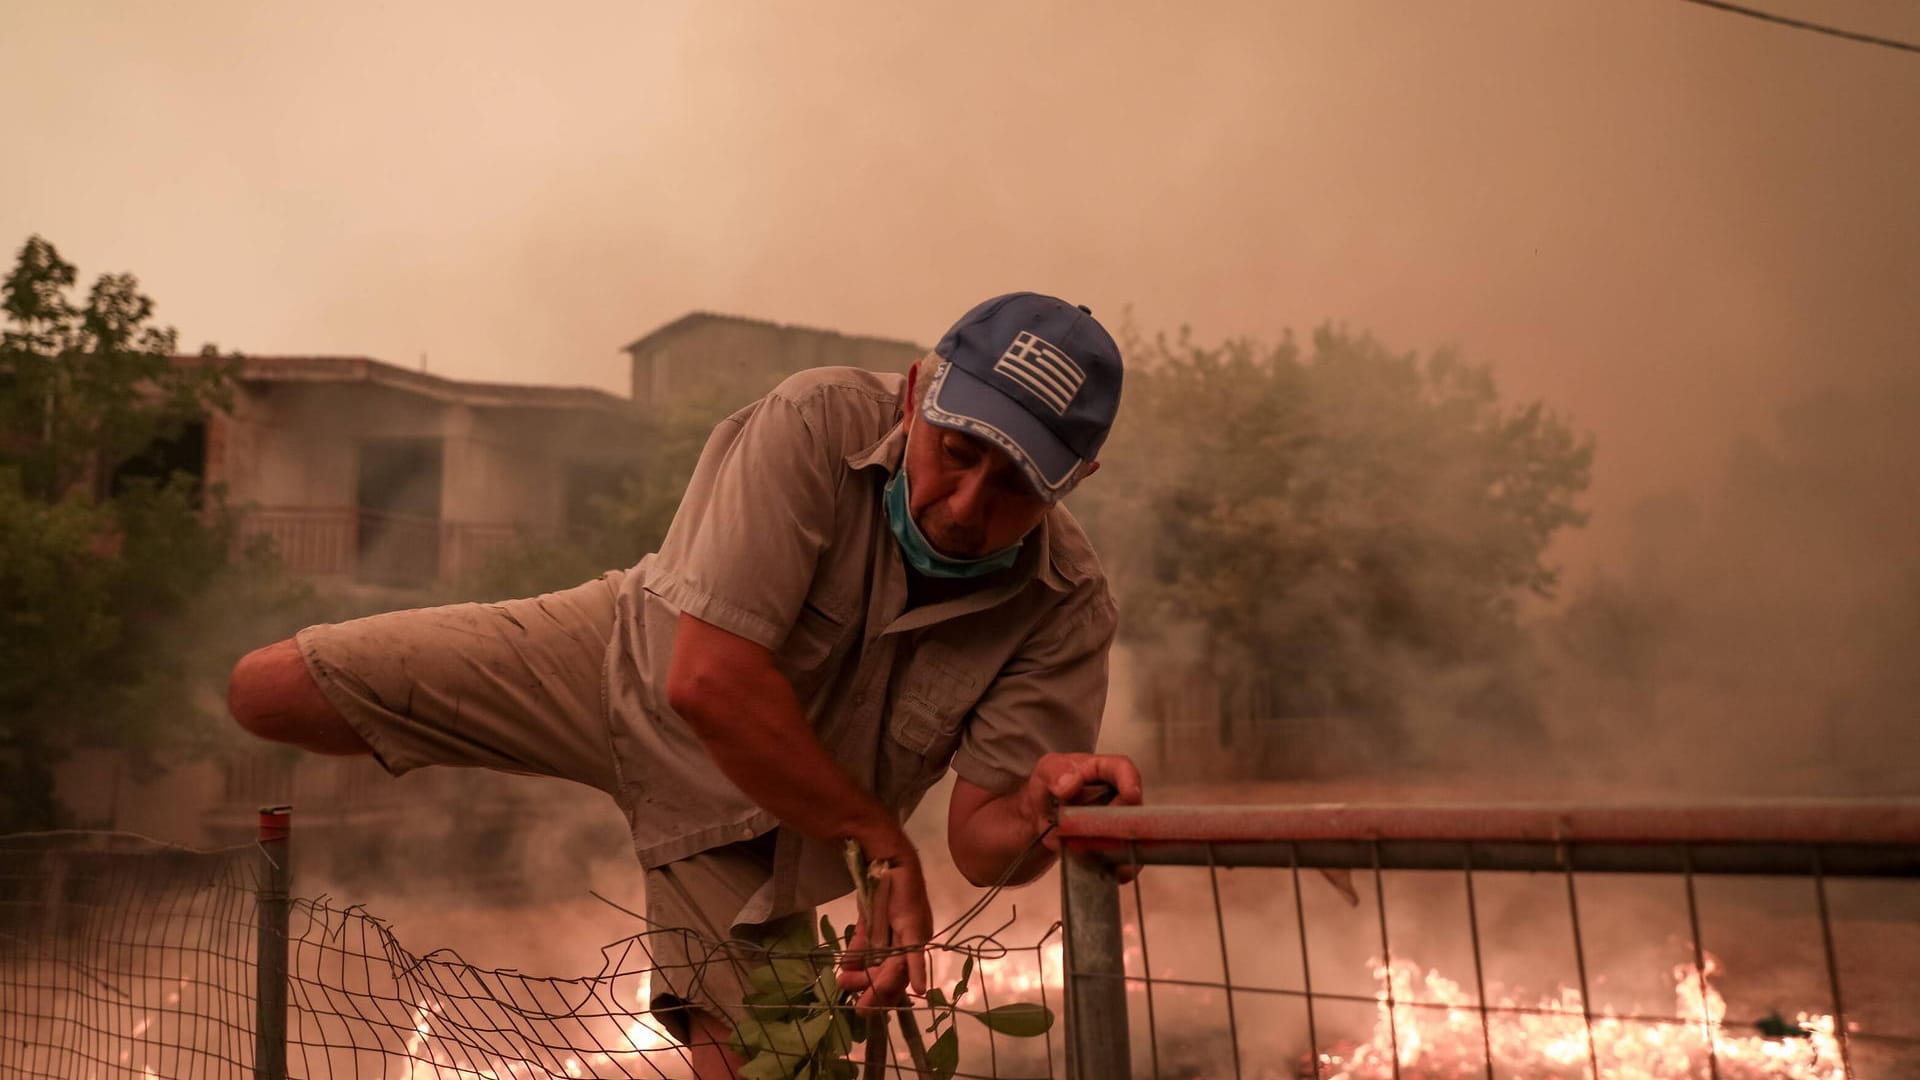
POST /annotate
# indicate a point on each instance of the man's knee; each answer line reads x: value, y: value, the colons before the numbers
x: 272, y: 695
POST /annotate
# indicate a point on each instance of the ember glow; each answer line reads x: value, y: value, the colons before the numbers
x: 428, y: 1057
x: 1436, y: 1027
x: 1017, y: 980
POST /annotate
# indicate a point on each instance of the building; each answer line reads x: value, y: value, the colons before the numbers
x: 727, y: 360
x: 362, y: 471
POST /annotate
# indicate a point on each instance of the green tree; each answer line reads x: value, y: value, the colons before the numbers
x: 1351, y: 528
x: 99, y: 575
x: 85, y: 385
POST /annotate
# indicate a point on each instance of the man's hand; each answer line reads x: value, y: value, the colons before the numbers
x: 1076, y: 780
x: 905, y: 922
x: 992, y: 836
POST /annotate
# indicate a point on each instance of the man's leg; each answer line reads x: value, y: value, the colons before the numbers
x: 517, y: 686
x: 271, y: 694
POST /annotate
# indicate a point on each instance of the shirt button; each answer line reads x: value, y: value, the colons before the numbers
x: 746, y: 832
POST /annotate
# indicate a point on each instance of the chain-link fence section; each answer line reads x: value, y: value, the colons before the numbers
x: 123, y: 957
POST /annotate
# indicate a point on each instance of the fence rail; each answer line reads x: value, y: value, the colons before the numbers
x: 1774, y: 866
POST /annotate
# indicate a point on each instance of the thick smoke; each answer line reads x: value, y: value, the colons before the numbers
x: 1758, y: 637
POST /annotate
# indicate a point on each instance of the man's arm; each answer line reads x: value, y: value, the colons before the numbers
x: 744, y: 711
x: 991, y: 836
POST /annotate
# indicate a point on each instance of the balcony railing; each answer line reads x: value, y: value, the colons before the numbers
x: 316, y: 541
x: 382, y: 548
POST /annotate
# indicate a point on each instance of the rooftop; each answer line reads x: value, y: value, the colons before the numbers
x: 694, y: 319
x: 361, y: 369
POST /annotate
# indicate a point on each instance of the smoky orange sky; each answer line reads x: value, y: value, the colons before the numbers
x: 1663, y: 219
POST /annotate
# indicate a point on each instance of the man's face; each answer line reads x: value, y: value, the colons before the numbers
x: 967, y: 496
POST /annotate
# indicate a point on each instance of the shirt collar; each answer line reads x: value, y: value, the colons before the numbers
x: 885, y: 453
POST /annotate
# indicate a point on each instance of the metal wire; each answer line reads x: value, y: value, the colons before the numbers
x: 1479, y: 968
x: 1226, y: 972
x: 1700, y: 966
x: 1840, y: 1028
x: 1580, y: 965
x: 1306, y: 966
x: 120, y: 958
x: 1883, y: 848
x: 1386, y: 958
x: 1146, y: 969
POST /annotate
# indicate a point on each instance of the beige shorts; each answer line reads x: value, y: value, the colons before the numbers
x: 520, y: 686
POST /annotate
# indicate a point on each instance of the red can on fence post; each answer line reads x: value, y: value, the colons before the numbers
x: 270, y: 955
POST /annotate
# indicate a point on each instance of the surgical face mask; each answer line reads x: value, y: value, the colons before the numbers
x: 920, y: 554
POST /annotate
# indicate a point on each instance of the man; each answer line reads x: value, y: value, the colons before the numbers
x: 869, y: 579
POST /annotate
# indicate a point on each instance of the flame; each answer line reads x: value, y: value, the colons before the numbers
x: 425, y: 1057
x: 1434, y: 1026
x: 1442, y: 1035
x: 1022, y: 982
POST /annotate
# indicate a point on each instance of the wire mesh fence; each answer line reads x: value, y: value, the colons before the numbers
x: 1355, y: 942
x: 1265, y: 944
x: 122, y: 957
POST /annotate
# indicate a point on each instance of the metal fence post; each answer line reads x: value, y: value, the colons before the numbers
x: 1096, y: 998
x: 270, y: 954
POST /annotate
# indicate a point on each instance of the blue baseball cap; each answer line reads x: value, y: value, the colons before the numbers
x: 1034, y: 375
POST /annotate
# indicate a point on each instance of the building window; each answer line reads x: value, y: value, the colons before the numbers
x: 398, y: 507
x: 184, y: 452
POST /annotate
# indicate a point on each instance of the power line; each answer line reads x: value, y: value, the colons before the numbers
x: 1801, y: 24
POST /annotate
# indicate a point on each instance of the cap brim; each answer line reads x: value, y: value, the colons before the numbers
x: 963, y: 402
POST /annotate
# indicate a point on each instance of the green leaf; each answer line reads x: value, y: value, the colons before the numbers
x: 791, y: 978
x: 806, y: 1034
x: 943, y: 1057
x: 766, y: 1067
x: 842, y: 1037
x: 755, y: 1033
x: 937, y: 1001
x: 826, y: 986
x: 1021, y: 1019
x: 796, y: 937
x: 837, y: 1069
x: 966, y: 973
x: 826, y: 931
x: 788, y: 1043
x: 770, y: 1005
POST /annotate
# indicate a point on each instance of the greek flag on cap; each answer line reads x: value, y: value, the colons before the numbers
x: 1045, y: 371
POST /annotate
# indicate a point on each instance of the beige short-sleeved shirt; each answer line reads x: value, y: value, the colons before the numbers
x: 782, y: 539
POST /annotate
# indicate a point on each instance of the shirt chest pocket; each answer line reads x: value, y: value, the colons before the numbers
x: 818, y: 639
x: 935, y: 696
